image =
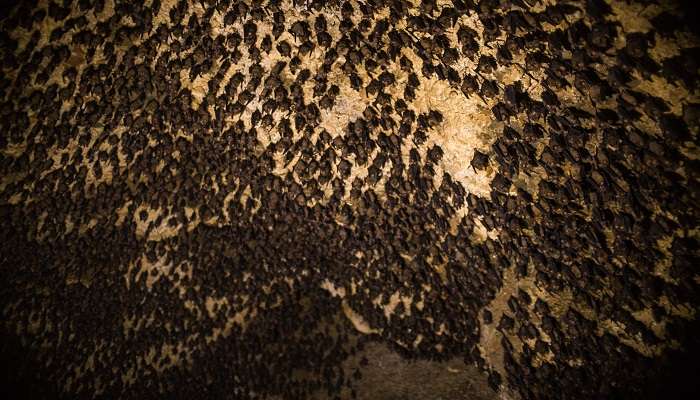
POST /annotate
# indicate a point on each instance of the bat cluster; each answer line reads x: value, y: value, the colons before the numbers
x: 173, y: 207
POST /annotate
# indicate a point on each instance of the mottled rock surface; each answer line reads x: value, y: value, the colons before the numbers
x: 218, y: 199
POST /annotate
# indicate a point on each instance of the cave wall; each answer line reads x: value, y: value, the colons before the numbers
x: 232, y: 199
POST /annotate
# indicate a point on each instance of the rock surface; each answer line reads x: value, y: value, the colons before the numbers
x: 216, y: 199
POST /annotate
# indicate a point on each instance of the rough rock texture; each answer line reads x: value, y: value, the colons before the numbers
x: 215, y: 199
